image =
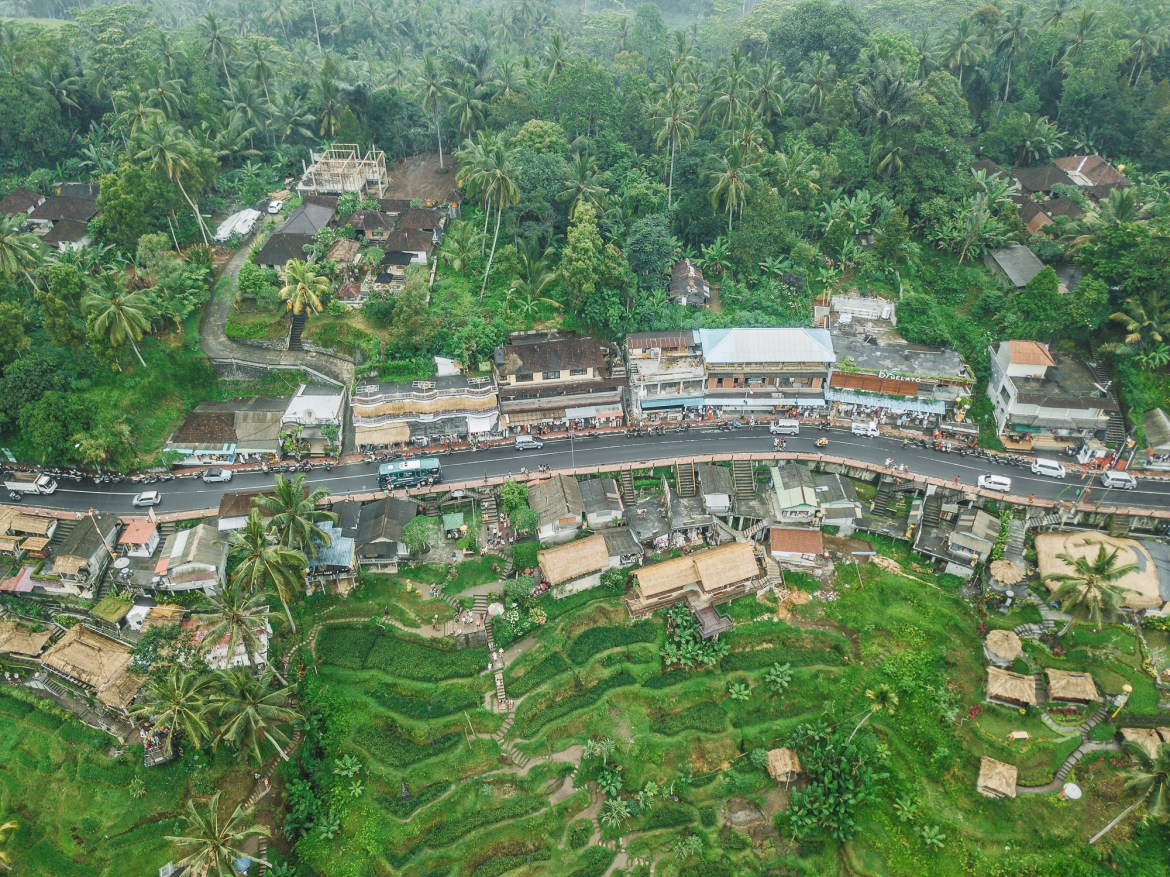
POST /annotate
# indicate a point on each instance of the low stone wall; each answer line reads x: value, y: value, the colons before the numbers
x: 264, y: 343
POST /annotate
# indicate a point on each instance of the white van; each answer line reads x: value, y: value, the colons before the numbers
x: 528, y: 443
x: 867, y: 429
x: 1122, y: 480
x: 994, y: 482
x: 1051, y: 468
x: 785, y: 427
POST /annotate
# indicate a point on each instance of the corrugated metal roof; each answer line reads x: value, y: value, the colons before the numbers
x: 746, y: 345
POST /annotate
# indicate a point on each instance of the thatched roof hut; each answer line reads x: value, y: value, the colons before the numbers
x: 1148, y: 738
x: 1002, y: 647
x: 996, y: 779
x: 95, y: 661
x: 1011, y: 688
x: 574, y: 560
x: 1139, y: 587
x: 1071, y: 687
x: 783, y: 765
x: 17, y: 639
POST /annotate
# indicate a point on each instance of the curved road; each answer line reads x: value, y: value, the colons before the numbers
x: 614, y: 449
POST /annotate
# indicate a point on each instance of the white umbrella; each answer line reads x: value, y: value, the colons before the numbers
x: 1071, y: 791
x: 496, y: 609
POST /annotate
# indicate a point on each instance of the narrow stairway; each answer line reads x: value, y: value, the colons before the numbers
x: 294, y: 333
x: 628, y: 486
x: 742, y: 478
x: 685, y: 480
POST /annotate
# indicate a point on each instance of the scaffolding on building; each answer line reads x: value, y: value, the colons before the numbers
x: 342, y: 167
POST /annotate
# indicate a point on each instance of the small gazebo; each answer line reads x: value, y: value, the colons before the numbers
x: 996, y: 779
x: 1071, y: 687
x: 784, y: 765
x: 1002, y: 647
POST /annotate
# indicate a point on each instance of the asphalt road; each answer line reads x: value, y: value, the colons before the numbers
x: 611, y: 449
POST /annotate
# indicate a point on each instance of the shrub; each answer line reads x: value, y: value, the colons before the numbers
x: 594, y: 862
x: 579, y: 833
x: 668, y: 815
x: 345, y: 646
x: 446, y: 833
x: 666, y: 680
x: 754, y: 660
x: 706, y: 717
x: 552, y: 666
x: 599, y: 639
x: 707, y: 817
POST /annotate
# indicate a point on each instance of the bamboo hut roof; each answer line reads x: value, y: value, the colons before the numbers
x: 996, y: 779
x: 783, y: 765
x: 18, y: 639
x: 1139, y: 586
x: 1148, y: 738
x: 96, y: 661
x: 710, y: 570
x: 1012, y: 687
x: 1063, y: 685
x: 1004, y: 644
x: 574, y: 560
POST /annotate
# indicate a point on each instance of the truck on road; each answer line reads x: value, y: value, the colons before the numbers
x: 30, y: 482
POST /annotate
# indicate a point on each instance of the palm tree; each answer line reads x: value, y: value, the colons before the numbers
x: 303, y: 287
x: 294, y: 516
x: 964, y: 48
x: 1146, y: 323
x: 165, y: 148
x: 817, y: 77
x: 732, y: 182
x: 771, y: 89
x: 467, y: 105
x: 884, y: 699
x: 1146, y: 38
x: 178, y: 700
x: 262, y: 563
x: 1042, y: 139
x: 495, y: 180
x: 585, y: 183
x: 1148, y: 781
x: 249, y: 710
x: 219, y: 44
x: 432, y: 89
x: 1091, y: 589
x: 239, y: 615
x: 677, y: 127
x: 260, y: 64
x: 1015, y: 33
x: 217, y: 843
x: 459, y: 242
x: 5, y: 859
x: 118, y: 314
x: 20, y: 251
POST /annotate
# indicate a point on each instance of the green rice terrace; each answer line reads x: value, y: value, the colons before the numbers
x: 617, y: 747
x: 636, y: 748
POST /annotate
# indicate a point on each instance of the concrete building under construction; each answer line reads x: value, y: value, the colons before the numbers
x: 343, y: 168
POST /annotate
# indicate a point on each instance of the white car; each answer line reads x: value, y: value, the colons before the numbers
x: 994, y: 482
x: 147, y: 498
x: 217, y: 476
x: 274, y: 207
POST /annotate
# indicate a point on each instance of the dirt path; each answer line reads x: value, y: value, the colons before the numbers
x: 219, y: 348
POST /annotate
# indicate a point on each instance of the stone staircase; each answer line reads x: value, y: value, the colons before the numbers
x: 1098, y: 716
x: 1115, y: 431
x: 295, y: 331
x: 1014, y: 546
x: 1041, y: 691
x: 885, y: 501
x: 491, y: 510
x: 756, y: 530
x: 743, y: 480
x: 628, y: 487
x: 686, y: 480
x: 431, y: 505
x: 479, y: 604
x: 1119, y: 525
x: 1036, y: 522
x: 932, y: 511
x: 1034, y: 631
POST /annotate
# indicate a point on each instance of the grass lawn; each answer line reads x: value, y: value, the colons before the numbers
x: 248, y: 320
x: 71, y: 800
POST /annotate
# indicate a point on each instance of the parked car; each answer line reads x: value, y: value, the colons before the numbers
x: 274, y: 207
x: 147, y: 498
x: 994, y: 482
x: 217, y: 476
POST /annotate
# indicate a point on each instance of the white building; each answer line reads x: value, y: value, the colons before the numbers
x: 1038, y: 393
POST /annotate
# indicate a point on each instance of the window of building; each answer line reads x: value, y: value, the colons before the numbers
x: 578, y: 372
x: 524, y: 376
x: 551, y: 376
